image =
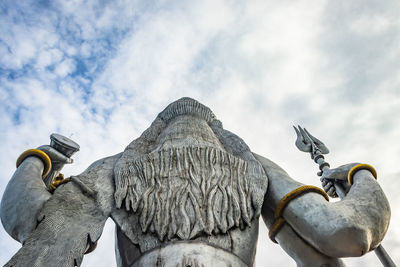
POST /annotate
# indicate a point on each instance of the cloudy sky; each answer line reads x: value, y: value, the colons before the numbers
x: 100, y: 71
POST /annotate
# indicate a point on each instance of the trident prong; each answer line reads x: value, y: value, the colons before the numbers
x: 300, y: 141
x: 306, y: 142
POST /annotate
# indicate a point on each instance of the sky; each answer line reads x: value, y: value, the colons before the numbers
x: 99, y: 72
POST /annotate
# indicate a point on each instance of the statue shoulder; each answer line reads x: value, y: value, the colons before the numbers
x: 98, y: 178
x: 269, y: 166
x: 101, y: 168
x: 106, y: 163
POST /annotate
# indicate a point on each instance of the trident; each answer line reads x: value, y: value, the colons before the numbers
x: 307, y: 143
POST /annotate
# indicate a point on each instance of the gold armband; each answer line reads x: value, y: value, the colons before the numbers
x: 279, y: 220
x: 358, y: 167
x: 296, y: 193
x: 37, y: 153
x: 275, y: 229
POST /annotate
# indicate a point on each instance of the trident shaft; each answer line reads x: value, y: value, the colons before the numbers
x: 307, y: 143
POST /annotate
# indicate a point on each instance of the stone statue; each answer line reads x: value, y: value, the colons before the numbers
x: 187, y: 192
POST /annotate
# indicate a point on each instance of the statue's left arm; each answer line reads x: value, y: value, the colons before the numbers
x: 347, y: 228
x: 71, y: 220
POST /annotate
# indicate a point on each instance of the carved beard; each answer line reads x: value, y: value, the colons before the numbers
x: 186, y: 191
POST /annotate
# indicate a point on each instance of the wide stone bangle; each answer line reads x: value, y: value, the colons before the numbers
x: 279, y: 220
x: 36, y: 153
x: 359, y: 167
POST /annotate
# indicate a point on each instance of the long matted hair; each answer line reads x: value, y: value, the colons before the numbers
x: 187, y: 191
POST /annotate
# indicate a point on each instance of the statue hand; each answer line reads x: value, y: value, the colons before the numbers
x: 338, y: 175
x: 58, y: 160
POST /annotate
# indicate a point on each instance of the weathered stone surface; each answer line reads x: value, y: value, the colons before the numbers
x: 187, y: 192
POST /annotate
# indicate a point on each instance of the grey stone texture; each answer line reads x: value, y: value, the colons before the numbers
x: 187, y: 192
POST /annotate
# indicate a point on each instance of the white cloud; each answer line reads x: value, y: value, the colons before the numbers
x: 66, y: 67
x: 48, y: 57
x: 367, y: 25
x: 261, y: 66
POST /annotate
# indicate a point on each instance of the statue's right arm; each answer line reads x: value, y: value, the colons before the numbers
x: 347, y: 228
x: 70, y: 220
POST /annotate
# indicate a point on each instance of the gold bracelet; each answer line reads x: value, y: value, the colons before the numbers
x: 358, y: 167
x: 279, y: 220
x: 37, y: 153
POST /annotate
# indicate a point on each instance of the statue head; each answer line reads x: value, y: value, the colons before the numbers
x: 186, y: 175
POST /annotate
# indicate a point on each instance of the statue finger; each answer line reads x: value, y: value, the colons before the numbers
x: 331, y: 192
x: 326, y: 187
